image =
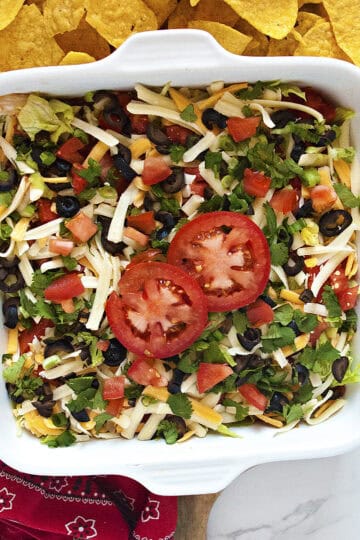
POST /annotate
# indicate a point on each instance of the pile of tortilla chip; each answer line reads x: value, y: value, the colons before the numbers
x: 60, y: 32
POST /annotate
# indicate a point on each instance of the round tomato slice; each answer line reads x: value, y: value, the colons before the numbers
x: 227, y: 254
x: 160, y: 311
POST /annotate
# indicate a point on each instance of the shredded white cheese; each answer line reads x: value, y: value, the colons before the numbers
x: 52, y: 227
x: 26, y: 270
x: 116, y: 228
x: 153, y: 98
x: 101, y: 295
x: 326, y: 271
x: 200, y: 146
x: 137, y: 107
x: 96, y: 132
x: 209, y: 177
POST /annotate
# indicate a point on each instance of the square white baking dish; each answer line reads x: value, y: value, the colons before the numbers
x: 186, y: 58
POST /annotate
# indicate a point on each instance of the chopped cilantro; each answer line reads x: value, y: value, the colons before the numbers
x: 95, y: 353
x: 279, y: 254
x: 180, y: 405
x: 263, y: 157
x: 332, y: 303
x: 240, y: 321
x: 176, y: 152
x: 5, y: 231
x: 133, y: 391
x: 319, y: 360
x: 79, y: 384
x: 253, y: 91
x: 167, y: 428
x: 69, y: 262
x: 292, y: 412
x: 213, y: 161
x: 277, y: 336
x: 241, y: 410
x: 170, y: 205
x: 283, y: 314
x: 188, y: 114
x: 92, y: 173
x: 65, y: 439
x: 216, y: 353
x: 41, y: 280
x: 59, y: 420
x: 101, y: 419
x: 306, y: 322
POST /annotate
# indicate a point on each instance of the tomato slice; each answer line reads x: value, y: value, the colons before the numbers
x: 44, y: 211
x: 284, y: 200
x: 210, y: 374
x: 78, y: 183
x: 143, y: 372
x: 242, y: 128
x: 178, y: 134
x: 82, y: 227
x: 61, y: 246
x: 348, y: 298
x: 259, y: 313
x: 37, y: 330
x: 227, y: 254
x: 161, y: 310
x: 155, y: 171
x: 114, y: 406
x: 322, y: 198
x: 64, y: 288
x: 143, y: 222
x: 256, y: 183
x: 114, y: 388
x: 253, y: 396
x: 70, y: 150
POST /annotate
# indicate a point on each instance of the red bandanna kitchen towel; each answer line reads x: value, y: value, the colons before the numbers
x: 81, y: 507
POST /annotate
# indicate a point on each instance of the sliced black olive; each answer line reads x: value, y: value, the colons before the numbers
x: 156, y: 135
x: 277, y: 402
x: 44, y: 391
x: 111, y: 99
x: 10, y: 312
x: 327, y: 138
x: 85, y: 353
x: 338, y: 392
x: 124, y: 168
x: 115, y: 353
x: 124, y: 152
x: 113, y: 248
x: 306, y: 210
x: 11, y: 389
x: 179, y: 424
x: 115, y: 119
x: 339, y: 368
x: 282, y: 117
x: 175, y: 182
x: 132, y: 402
x: 298, y: 149
x: 163, y: 149
x: 35, y: 153
x: 268, y: 300
x: 208, y: 193
x: 166, y: 218
x: 334, y: 222
x: 11, y: 280
x: 302, y: 373
x: 44, y: 408
x: 250, y: 338
x: 241, y: 362
x: 62, y: 165
x: 174, y: 388
x: 250, y: 211
x: 225, y: 326
x: 306, y: 296
x: 9, y: 262
x: 8, y: 180
x: 60, y: 346
x: 67, y: 206
x: 255, y: 361
x: 162, y: 233
x: 294, y: 265
x: 294, y: 327
x: 211, y: 118
x: 81, y: 416
x: 95, y: 384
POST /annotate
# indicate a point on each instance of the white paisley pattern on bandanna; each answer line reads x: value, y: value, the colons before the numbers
x: 151, y: 511
x: 6, y: 499
x: 81, y: 528
x: 57, y: 484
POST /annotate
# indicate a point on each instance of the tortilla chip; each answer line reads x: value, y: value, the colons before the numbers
x: 259, y: 44
x: 84, y: 39
x: 26, y: 43
x: 232, y: 40
x: 194, y: 3
x: 345, y: 21
x: 206, y: 10
x: 320, y: 41
x: 8, y: 11
x: 116, y: 21
x: 73, y: 57
x: 161, y: 8
x: 62, y: 16
x: 305, y: 21
x: 275, y: 19
x: 301, y: 3
x: 283, y: 47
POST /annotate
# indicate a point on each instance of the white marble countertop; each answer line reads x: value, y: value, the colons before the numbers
x: 300, y: 500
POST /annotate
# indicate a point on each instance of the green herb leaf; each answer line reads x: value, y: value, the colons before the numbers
x: 215, y: 353
x: 241, y: 410
x: 133, y: 391
x: 306, y: 322
x: 319, y: 360
x: 331, y: 302
x: 101, y: 419
x: 63, y: 440
x: 69, y: 262
x: 79, y: 384
x: 99, y: 403
x: 41, y: 280
x: 176, y: 152
x: 213, y: 161
x: 292, y: 412
x: 92, y: 173
x: 167, y: 428
x: 240, y: 321
x: 283, y: 314
x: 83, y: 400
x: 5, y: 231
x: 188, y: 114
x: 97, y: 356
x: 11, y: 374
x: 277, y: 336
x: 170, y: 205
x: 263, y: 157
x: 180, y: 405
x: 59, y: 420
x: 253, y: 91
x: 279, y: 254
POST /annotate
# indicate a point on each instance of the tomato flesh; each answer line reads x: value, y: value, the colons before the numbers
x: 256, y: 183
x: 259, y: 313
x: 70, y: 150
x: 227, y: 254
x: 348, y: 298
x: 114, y: 406
x: 210, y: 374
x: 322, y: 198
x: 253, y: 396
x: 178, y: 134
x: 284, y: 200
x: 155, y: 171
x: 37, y: 330
x: 143, y: 372
x: 151, y: 254
x: 44, y: 211
x: 64, y: 288
x: 242, y: 128
x: 113, y: 387
x: 61, y: 246
x: 78, y: 183
x: 82, y: 227
x: 160, y: 311
x: 143, y: 222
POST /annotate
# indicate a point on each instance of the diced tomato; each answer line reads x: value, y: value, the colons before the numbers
x: 160, y: 312
x: 338, y: 281
x: 259, y: 313
x: 242, y: 128
x: 316, y: 101
x: 198, y: 188
x: 78, y: 183
x: 113, y: 387
x: 195, y: 171
x: 210, y: 374
x: 227, y: 254
x: 253, y: 396
x: 256, y: 183
x: 68, y: 305
x: 44, y: 211
x: 64, y: 288
x: 114, y: 406
x: 103, y: 345
x: 143, y: 222
x: 316, y: 333
x: 155, y: 170
x: 82, y: 227
x: 143, y: 372
x: 178, y: 134
x: 284, y: 200
x: 136, y: 235
x: 124, y: 98
x: 37, y: 330
x: 139, y: 123
x: 348, y: 298
x: 117, y: 181
x: 149, y: 255
x: 70, y: 150
x: 322, y: 198
x: 61, y: 246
